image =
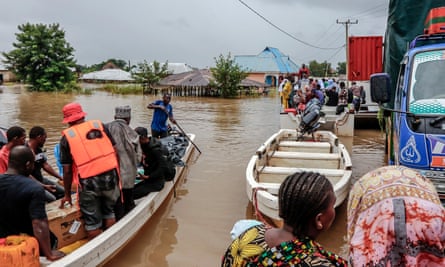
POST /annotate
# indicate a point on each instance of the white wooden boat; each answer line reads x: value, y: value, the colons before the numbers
x: 341, y: 125
x: 282, y: 155
x: 103, y: 247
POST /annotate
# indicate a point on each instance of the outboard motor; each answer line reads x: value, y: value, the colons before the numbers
x: 310, y: 117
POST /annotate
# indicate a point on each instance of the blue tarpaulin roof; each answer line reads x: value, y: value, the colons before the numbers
x: 269, y: 60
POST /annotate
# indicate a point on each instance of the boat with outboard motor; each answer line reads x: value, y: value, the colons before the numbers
x: 341, y: 124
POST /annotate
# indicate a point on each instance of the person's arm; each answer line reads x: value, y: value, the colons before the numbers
x: 67, y: 182
x: 155, y: 105
x: 50, y: 188
x: 170, y: 115
x: 66, y: 160
x: 3, y: 161
x: 41, y: 233
x: 51, y: 171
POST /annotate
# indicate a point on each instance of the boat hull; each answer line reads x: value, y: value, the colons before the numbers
x: 110, y: 242
x: 283, y: 154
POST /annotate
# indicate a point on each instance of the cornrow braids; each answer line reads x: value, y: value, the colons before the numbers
x: 301, y: 197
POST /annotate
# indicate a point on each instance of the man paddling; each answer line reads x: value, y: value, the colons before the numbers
x: 163, y: 110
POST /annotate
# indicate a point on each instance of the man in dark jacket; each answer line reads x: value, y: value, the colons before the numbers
x: 154, y: 163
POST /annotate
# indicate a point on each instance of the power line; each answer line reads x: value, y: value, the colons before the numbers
x: 286, y: 33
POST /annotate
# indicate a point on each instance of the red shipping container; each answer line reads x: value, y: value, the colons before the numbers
x: 435, y: 21
x: 365, y: 57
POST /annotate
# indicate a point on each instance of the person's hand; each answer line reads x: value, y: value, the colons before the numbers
x: 65, y: 200
x: 50, y: 188
x: 143, y: 177
x: 55, y: 255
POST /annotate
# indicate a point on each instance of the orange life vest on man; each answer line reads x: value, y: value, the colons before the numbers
x: 91, y: 149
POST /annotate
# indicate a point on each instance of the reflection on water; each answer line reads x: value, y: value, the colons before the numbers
x: 193, y: 228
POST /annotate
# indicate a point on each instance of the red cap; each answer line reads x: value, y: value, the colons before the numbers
x: 72, y: 112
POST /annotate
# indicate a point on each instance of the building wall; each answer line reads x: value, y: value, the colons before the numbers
x: 8, y: 76
x: 270, y: 78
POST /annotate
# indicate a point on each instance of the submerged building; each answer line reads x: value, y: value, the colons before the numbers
x: 268, y: 66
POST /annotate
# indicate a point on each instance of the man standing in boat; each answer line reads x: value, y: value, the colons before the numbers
x: 129, y: 153
x: 90, y: 161
x: 163, y: 110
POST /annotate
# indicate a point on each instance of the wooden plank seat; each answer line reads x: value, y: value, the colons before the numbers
x: 317, y: 147
x: 305, y: 160
x: 277, y: 174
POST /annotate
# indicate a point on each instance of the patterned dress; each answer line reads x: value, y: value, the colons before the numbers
x: 250, y: 250
x: 395, y: 218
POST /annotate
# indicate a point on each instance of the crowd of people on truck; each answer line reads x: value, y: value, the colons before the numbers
x: 100, y: 163
x: 296, y: 90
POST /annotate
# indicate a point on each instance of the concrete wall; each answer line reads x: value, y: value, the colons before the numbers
x: 8, y: 76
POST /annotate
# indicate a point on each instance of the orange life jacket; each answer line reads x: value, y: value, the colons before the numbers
x: 91, y: 149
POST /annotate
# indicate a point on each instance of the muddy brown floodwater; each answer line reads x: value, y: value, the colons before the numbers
x: 193, y: 228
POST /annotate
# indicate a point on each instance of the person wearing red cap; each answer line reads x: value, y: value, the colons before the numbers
x: 89, y: 160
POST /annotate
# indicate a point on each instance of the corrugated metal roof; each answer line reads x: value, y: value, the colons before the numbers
x: 200, y: 78
x: 269, y: 60
x: 191, y: 78
x: 175, y: 68
x: 108, y: 75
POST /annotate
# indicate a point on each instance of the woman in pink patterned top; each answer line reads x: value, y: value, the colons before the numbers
x: 395, y: 218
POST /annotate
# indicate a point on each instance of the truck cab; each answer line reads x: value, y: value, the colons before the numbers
x: 415, y: 126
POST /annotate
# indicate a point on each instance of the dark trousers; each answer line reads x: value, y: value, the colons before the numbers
x: 145, y: 187
x: 122, y: 208
x: 159, y: 134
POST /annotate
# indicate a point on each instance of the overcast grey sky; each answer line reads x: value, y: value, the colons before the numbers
x: 197, y: 31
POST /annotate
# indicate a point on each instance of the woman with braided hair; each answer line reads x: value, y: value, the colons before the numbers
x: 306, y: 205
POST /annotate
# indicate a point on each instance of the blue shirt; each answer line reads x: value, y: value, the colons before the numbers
x: 159, y: 121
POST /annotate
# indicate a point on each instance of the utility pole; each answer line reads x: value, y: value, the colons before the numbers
x: 346, y: 23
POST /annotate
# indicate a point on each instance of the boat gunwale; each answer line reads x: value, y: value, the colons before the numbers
x: 87, y: 254
x: 264, y: 191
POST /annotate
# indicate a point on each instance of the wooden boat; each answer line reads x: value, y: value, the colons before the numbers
x: 282, y: 155
x: 103, y: 247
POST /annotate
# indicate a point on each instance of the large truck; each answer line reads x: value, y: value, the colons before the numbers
x: 413, y: 100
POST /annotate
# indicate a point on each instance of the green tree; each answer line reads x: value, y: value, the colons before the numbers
x: 120, y: 63
x: 228, y: 75
x: 42, y: 57
x: 150, y: 74
x: 319, y: 69
x: 341, y: 68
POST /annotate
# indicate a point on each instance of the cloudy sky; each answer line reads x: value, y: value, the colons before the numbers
x: 197, y: 31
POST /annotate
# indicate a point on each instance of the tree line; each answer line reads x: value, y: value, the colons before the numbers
x: 43, y: 59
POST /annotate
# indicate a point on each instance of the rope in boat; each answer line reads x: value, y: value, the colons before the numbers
x: 342, y: 121
x: 255, y: 205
